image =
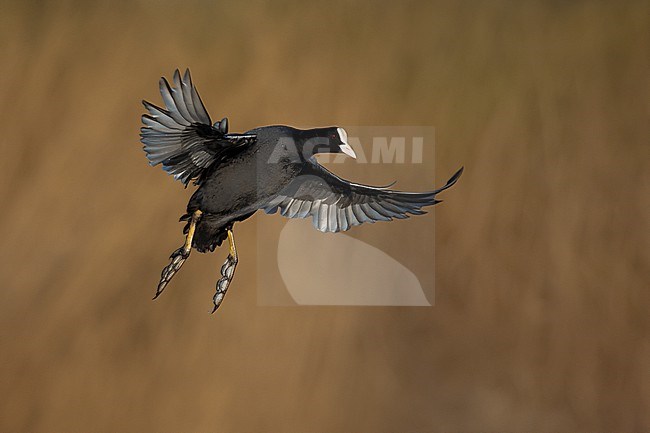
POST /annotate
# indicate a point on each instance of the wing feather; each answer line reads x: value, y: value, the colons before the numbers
x: 171, y: 104
x: 186, y: 88
x: 338, y: 205
x: 181, y: 137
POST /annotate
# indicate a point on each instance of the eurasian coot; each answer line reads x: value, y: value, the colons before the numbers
x: 270, y: 168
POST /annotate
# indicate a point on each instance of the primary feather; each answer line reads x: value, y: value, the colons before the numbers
x: 181, y: 136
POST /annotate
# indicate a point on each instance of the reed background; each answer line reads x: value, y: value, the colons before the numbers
x: 541, y: 321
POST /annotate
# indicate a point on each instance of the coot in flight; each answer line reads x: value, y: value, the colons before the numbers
x: 270, y: 168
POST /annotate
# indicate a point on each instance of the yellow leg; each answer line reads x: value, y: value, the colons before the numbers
x: 227, y: 272
x: 179, y: 256
x: 231, y: 241
x: 187, y: 247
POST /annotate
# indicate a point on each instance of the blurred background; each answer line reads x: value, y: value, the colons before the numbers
x: 541, y: 320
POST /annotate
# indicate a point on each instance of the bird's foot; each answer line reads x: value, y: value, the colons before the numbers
x: 227, y: 273
x: 178, y: 257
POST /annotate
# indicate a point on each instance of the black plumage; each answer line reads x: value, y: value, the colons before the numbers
x: 270, y: 168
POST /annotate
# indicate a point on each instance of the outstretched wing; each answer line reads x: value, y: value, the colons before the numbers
x: 337, y: 205
x: 182, y: 137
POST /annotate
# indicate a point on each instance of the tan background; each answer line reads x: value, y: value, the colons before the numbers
x: 541, y: 321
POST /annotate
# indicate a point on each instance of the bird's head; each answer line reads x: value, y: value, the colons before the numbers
x: 325, y: 140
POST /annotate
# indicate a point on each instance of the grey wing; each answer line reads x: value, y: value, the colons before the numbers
x: 181, y: 136
x: 337, y: 205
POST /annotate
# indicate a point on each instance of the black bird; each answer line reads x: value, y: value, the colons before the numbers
x: 270, y: 168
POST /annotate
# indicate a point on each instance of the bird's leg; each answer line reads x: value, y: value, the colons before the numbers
x: 227, y: 272
x: 179, y: 256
